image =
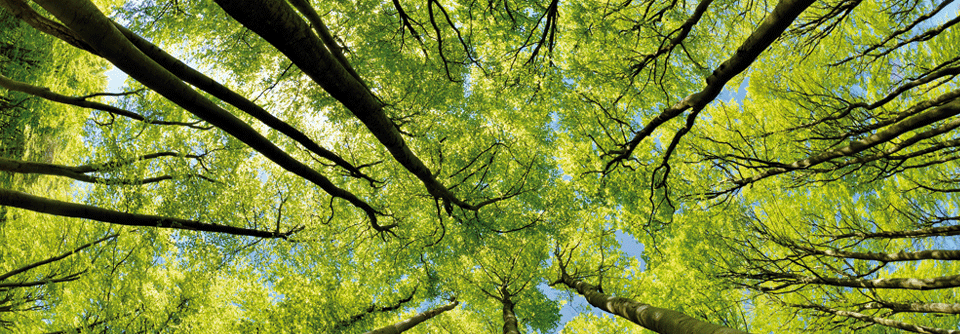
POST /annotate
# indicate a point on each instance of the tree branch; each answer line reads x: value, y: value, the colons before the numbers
x: 769, y: 30
x: 910, y: 124
x: 78, y: 172
x: 653, y: 318
x: 218, y: 90
x: 45, y: 93
x: 67, y: 209
x: 789, y: 279
x: 91, y: 25
x: 402, y: 326
x: 883, y: 321
x: 280, y: 25
x: 56, y: 258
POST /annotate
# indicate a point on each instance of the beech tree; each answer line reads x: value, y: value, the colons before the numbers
x: 479, y: 166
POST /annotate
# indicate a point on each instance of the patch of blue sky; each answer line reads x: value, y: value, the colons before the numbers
x: 115, y: 79
x: 728, y: 94
x: 630, y: 246
x: 572, y: 308
x: 948, y: 13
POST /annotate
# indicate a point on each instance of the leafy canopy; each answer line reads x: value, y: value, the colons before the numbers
x: 336, y: 166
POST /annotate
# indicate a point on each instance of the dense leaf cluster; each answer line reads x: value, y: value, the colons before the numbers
x: 479, y: 166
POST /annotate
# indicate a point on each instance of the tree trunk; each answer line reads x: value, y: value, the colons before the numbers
x: 509, y: 318
x: 653, y: 318
x: 402, y: 326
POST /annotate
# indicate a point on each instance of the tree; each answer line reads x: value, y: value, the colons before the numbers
x: 287, y: 165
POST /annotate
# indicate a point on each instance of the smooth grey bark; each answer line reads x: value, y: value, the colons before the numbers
x: 402, y: 326
x: 942, y: 282
x: 887, y: 322
x: 915, y: 307
x: 919, y: 233
x: 656, y: 319
x: 86, y: 20
x: 769, y: 30
x: 930, y: 254
x: 59, y: 208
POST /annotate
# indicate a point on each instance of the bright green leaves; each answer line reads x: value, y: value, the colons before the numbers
x: 761, y: 190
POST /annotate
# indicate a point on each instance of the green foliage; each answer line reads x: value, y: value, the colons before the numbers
x: 529, y: 108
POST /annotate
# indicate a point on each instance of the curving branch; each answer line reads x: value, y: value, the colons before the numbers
x: 656, y: 319
x: 59, y: 208
x: 406, y: 26
x: 930, y: 254
x: 375, y: 308
x: 549, y: 34
x: 404, y: 325
x: 86, y: 20
x: 304, y: 7
x: 925, y: 36
x: 944, y: 71
x: 910, y: 124
x: 218, y: 90
x: 56, y: 258
x: 918, y: 233
x: 45, y: 93
x: 788, y: 280
x: 79, y: 172
x: 943, y: 308
x: 679, y: 35
x: 896, y: 34
x: 769, y: 30
x: 281, y: 26
x: 68, y: 278
x: 881, y: 321
x: 21, y: 10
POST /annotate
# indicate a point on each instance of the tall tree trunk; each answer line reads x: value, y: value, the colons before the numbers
x: 402, y: 326
x: 653, y: 318
x: 509, y: 318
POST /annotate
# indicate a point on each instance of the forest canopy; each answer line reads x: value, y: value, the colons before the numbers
x: 515, y: 166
